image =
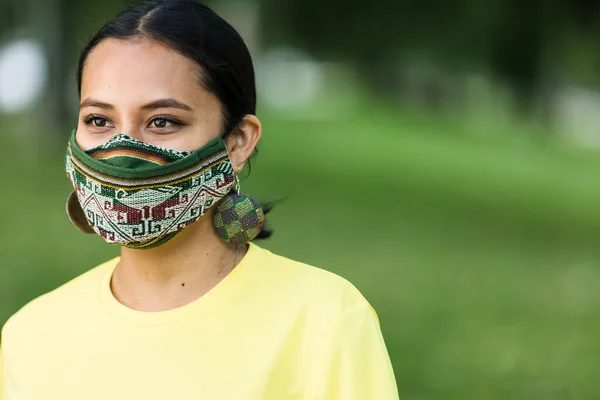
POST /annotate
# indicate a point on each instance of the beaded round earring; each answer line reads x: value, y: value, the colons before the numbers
x: 238, y: 217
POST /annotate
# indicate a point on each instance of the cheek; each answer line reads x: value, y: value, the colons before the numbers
x: 87, y: 141
x: 199, y: 138
x: 194, y: 136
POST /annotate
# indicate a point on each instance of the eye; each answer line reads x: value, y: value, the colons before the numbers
x: 97, y: 121
x: 159, y: 123
x: 163, y: 122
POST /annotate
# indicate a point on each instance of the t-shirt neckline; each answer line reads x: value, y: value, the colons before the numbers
x: 227, y: 286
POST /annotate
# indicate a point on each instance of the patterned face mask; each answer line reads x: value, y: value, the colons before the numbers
x: 140, y: 195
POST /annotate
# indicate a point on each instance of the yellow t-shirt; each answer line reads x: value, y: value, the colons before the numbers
x: 271, y: 329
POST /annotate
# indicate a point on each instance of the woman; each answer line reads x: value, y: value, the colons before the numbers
x: 192, y: 309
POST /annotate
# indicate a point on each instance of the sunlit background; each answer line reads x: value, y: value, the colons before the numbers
x: 444, y: 156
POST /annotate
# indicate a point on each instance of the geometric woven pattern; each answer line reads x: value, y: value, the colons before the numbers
x: 139, y: 195
x: 238, y: 218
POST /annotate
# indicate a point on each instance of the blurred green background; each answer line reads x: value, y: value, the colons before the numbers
x: 444, y: 159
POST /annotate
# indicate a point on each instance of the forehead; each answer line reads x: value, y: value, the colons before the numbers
x: 138, y: 70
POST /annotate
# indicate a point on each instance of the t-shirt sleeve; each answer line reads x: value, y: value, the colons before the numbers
x: 7, y: 389
x: 2, y: 383
x: 352, y: 362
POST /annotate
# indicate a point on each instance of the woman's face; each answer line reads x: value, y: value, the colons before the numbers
x: 146, y: 91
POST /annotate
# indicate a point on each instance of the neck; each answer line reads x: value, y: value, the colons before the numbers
x: 177, y: 272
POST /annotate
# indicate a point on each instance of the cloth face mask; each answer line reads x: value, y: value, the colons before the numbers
x: 140, y: 195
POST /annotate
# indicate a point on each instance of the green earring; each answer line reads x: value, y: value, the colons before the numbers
x: 238, y: 217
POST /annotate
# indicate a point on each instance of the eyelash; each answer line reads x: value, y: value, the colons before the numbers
x: 89, y: 118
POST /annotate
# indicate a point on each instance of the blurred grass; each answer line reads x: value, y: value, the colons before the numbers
x: 479, y: 254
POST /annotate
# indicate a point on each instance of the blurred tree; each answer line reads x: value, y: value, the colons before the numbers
x: 52, y: 29
x: 7, y: 16
x: 514, y: 40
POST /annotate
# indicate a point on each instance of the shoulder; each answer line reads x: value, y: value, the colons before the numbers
x: 67, y: 302
x: 321, y: 307
x: 313, y: 288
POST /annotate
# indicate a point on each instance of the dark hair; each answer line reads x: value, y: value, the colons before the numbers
x: 194, y: 30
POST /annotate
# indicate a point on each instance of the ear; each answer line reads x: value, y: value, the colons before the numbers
x: 242, y: 141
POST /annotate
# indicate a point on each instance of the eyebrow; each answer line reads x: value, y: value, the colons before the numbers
x: 95, y: 103
x: 167, y: 103
x: 161, y: 103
